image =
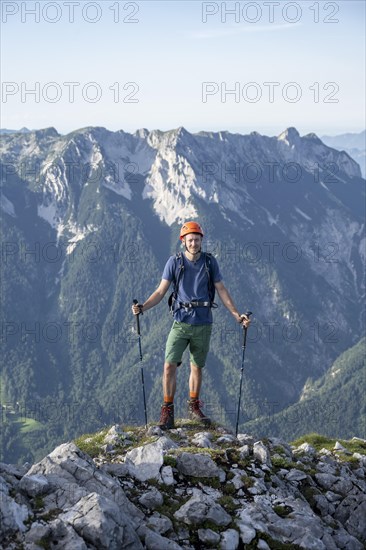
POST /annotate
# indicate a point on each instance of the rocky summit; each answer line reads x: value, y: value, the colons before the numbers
x: 135, y: 488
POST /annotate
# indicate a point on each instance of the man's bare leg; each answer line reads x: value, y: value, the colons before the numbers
x: 169, y: 381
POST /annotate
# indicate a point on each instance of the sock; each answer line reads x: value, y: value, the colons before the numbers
x: 193, y: 395
x: 168, y: 399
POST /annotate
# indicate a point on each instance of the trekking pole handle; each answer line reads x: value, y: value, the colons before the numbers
x: 247, y: 314
x: 137, y: 317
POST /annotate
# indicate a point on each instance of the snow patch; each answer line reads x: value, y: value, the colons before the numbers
x: 77, y: 234
x: 308, y: 218
x: 271, y: 219
x: 48, y: 213
x: 335, y: 372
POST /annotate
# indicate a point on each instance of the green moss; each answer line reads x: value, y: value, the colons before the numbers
x: 229, y: 489
x: 91, y: 443
x: 309, y: 492
x: 213, y: 453
x: 278, y: 449
x: 320, y: 441
x: 282, y: 511
x: 30, y: 519
x: 170, y: 506
x: 38, y: 502
x: 233, y: 455
x: 210, y: 481
x: 170, y: 461
x: 353, y: 462
x: 44, y: 542
x: 279, y: 462
x: 213, y: 482
x: 192, y: 426
x: 267, y: 477
x: 153, y: 482
x: 51, y: 514
x: 208, y: 524
x: 228, y: 503
x: 244, y: 463
x: 248, y: 481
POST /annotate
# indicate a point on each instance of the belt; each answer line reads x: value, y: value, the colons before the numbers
x: 194, y: 304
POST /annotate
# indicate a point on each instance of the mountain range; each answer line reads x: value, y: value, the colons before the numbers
x: 353, y: 144
x: 88, y: 222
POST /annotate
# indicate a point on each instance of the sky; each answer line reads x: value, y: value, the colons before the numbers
x: 236, y: 66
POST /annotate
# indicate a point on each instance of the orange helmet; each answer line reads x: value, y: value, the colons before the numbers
x: 190, y: 227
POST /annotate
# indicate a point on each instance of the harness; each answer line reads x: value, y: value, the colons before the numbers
x: 173, y: 303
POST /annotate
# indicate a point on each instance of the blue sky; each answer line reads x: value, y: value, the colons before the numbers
x: 177, y: 62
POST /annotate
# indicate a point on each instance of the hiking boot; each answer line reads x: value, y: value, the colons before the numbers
x: 166, y: 421
x: 195, y: 413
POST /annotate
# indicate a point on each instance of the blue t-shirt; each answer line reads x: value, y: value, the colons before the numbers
x: 193, y: 287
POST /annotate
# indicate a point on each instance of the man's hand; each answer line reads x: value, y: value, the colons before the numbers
x: 137, y: 309
x: 244, y: 320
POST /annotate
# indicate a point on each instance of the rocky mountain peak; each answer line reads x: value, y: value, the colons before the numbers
x: 141, y: 133
x: 186, y: 489
x: 290, y: 136
x: 50, y: 132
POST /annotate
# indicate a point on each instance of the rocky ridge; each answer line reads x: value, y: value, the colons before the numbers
x: 186, y: 489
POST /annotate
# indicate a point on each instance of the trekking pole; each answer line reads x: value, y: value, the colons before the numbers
x: 141, y: 364
x: 248, y: 314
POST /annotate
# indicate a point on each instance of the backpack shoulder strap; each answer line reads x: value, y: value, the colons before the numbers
x: 208, y: 265
x: 179, y: 268
x: 209, y: 271
x: 178, y: 273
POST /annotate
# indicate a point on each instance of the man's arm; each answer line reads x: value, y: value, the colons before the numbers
x: 154, y: 299
x: 229, y: 304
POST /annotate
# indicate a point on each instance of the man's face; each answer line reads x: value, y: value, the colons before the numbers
x: 193, y: 242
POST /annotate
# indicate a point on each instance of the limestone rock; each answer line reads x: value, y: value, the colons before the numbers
x: 167, y: 476
x: 207, y: 536
x: 73, y: 475
x: 229, y: 540
x: 202, y: 439
x: 145, y: 462
x: 261, y: 453
x: 245, y: 439
x: 326, y: 480
x: 197, y: 465
x: 34, y: 485
x: 101, y: 522
x: 78, y: 503
x: 12, y: 514
x: 154, y: 541
x: 200, y: 508
x: 151, y: 499
x: 160, y: 524
x: 244, y: 451
x: 226, y: 438
x: 305, y: 448
x: 296, y: 475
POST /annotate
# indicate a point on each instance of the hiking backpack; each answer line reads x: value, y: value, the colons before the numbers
x: 178, y: 274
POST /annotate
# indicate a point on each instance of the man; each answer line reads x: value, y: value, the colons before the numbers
x: 192, y: 318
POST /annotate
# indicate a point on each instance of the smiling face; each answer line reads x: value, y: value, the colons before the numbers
x: 193, y: 242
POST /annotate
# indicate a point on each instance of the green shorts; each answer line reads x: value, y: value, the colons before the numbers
x: 182, y: 334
